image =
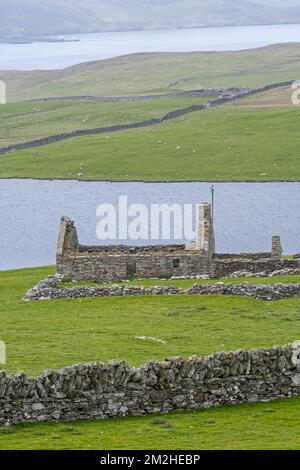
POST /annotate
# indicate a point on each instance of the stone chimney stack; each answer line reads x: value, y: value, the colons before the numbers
x: 67, y: 238
x: 205, y: 241
x: 277, y: 250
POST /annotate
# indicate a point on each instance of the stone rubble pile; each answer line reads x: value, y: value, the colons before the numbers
x: 278, y: 272
x: 50, y: 289
x: 245, y: 274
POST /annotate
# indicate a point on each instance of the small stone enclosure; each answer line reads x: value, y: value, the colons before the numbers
x: 117, y: 262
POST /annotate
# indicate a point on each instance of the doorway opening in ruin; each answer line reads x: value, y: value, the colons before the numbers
x: 131, y: 268
x: 176, y: 263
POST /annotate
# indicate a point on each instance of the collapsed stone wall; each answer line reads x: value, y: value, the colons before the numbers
x: 256, y: 264
x: 97, y: 390
x: 284, y: 271
x: 50, y: 288
x: 225, y: 268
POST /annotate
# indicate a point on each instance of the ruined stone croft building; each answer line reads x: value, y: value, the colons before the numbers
x: 198, y: 258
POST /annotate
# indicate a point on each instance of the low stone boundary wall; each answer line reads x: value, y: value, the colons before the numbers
x: 135, y: 125
x: 50, y: 289
x: 97, y: 390
x: 279, y: 272
x: 247, y: 274
x: 221, y: 92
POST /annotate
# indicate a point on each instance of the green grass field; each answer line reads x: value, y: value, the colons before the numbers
x: 268, y: 426
x: 159, y: 72
x: 187, y: 283
x: 254, y: 139
x: 223, y: 144
x: 22, y: 122
x: 53, y: 334
x: 272, y: 99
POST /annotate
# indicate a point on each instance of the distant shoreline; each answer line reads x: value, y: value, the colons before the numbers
x: 63, y: 37
x: 14, y: 40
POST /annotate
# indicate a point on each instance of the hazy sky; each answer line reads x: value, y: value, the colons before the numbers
x: 75, y: 16
x: 279, y: 3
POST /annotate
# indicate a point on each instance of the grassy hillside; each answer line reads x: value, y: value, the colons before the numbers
x: 254, y: 139
x: 273, y: 99
x: 22, y: 122
x: 188, y: 283
x: 52, y: 334
x: 68, y: 332
x: 72, y: 16
x: 159, y: 72
x: 225, y: 144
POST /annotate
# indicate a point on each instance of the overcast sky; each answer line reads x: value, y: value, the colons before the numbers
x: 35, y: 17
x: 279, y: 3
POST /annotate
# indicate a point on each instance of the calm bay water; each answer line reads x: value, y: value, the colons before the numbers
x: 246, y: 214
x: 107, y: 45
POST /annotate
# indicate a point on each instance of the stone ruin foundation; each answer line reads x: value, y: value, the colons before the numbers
x: 118, y: 262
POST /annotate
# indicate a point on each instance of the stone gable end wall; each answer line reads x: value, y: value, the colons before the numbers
x: 118, y: 262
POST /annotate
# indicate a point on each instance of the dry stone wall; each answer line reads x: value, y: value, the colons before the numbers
x: 97, y: 390
x: 220, y: 92
x: 226, y: 98
x: 50, y: 289
x: 117, y: 267
x: 225, y: 268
